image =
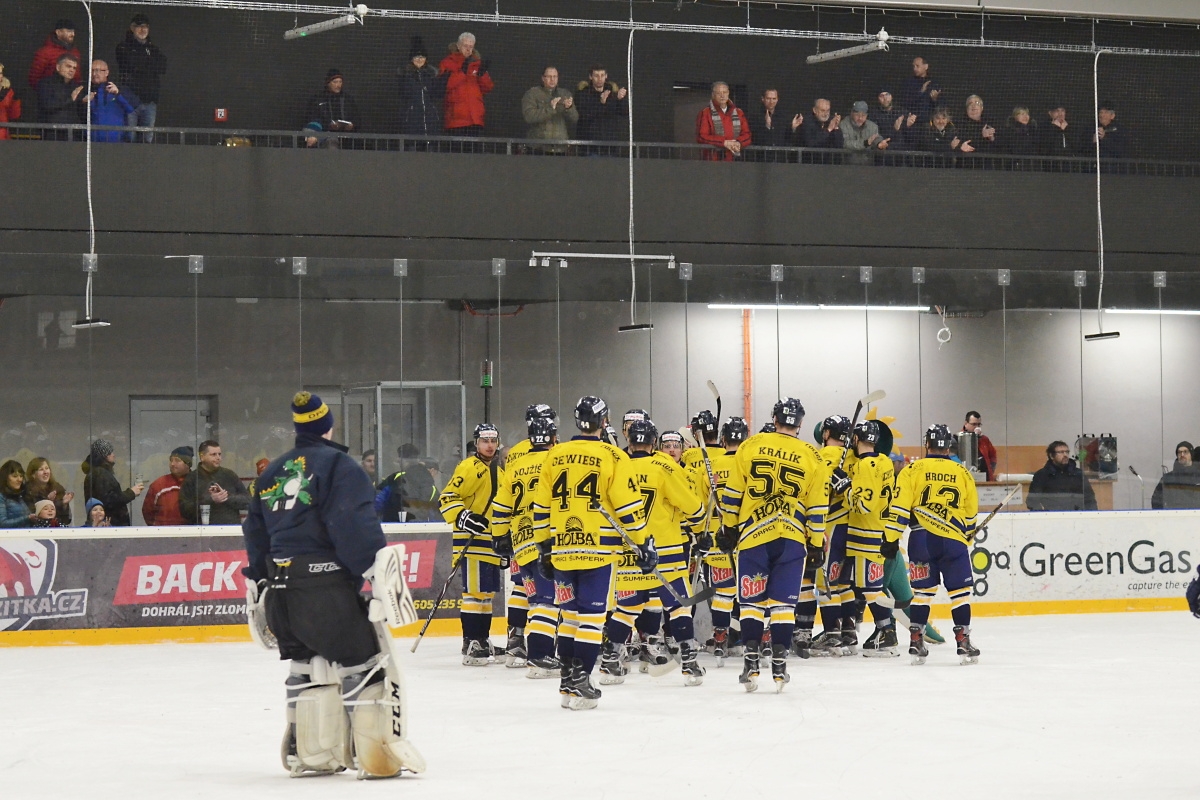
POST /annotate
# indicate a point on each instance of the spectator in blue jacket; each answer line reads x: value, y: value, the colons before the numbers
x: 14, y: 511
x: 110, y: 104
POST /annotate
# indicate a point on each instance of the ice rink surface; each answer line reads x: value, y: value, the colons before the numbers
x: 1088, y: 706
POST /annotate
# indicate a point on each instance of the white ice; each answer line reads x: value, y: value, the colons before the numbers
x: 1095, y: 706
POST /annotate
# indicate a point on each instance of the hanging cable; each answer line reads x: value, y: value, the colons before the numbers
x: 629, y: 106
x: 1099, y: 210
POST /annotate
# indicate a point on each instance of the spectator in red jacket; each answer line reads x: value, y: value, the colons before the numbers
x: 987, y: 451
x: 161, y: 506
x: 723, y: 126
x: 10, y: 106
x: 61, y: 42
x: 467, y: 81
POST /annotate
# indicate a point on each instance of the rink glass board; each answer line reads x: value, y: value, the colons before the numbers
x: 139, y: 577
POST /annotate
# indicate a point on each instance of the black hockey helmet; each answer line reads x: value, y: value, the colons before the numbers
x: 837, y: 425
x: 706, y: 423
x: 673, y: 437
x: 938, y: 436
x: 486, y: 430
x: 539, y: 411
x: 541, y: 431
x: 635, y: 415
x: 768, y: 427
x: 735, y: 431
x: 867, y: 431
x: 642, y: 432
x: 788, y: 411
x: 591, y: 413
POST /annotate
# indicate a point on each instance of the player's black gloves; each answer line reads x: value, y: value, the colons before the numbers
x: 704, y: 541
x: 815, y: 557
x: 889, y: 549
x: 647, y: 556
x: 503, y: 545
x: 727, y: 538
x: 839, y: 482
x: 545, y: 568
x: 471, y: 522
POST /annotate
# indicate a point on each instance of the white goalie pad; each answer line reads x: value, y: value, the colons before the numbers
x: 317, y: 720
x: 391, y: 599
x: 256, y: 616
x: 379, y: 718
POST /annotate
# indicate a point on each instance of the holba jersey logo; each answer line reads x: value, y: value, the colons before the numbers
x: 27, y: 568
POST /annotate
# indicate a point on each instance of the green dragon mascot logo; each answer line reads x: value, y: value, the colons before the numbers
x: 290, y: 488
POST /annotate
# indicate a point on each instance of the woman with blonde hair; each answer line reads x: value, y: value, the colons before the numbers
x: 40, y: 485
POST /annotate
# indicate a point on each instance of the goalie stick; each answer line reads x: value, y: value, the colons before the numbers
x: 699, y: 597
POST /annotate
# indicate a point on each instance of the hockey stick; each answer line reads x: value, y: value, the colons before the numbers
x: 873, y: 397
x: 983, y: 525
x: 712, y: 387
x: 699, y: 597
x: 438, y: 602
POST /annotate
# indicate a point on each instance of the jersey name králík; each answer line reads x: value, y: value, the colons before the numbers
x: 778, y: 489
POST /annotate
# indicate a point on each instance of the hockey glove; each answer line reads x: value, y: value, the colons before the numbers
x: 471, y: 522
x: 502, y: 545
x: 647, y: 556
x: 839, y: 482
x: 544, y: 565
x: 889, y: 549
x: 727, y: 538
x: 1193, y: 596
x: 704, y: 541
x: 815, y: 557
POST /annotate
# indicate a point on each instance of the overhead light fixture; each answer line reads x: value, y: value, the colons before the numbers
x: 880, y: 43
x: 562, y: 263
x: 1096, y: 337
x: 354, y: 17
x: 533, y: 261
x: 1164, y: 311
x: 817, y: 307
x: 91, y: 263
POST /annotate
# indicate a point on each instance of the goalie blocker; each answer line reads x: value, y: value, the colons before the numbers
x: 346, y: 704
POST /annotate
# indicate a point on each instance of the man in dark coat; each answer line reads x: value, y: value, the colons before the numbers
x: 100, y: 483
x: 140, y: 67
x: 1060, y: 485
x: 1179, y: 488
x: 422, y: 92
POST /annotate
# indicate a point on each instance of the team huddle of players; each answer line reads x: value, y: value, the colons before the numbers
x: 606, y: 545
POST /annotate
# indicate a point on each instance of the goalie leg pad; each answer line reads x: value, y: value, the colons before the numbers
x: 318, y: 727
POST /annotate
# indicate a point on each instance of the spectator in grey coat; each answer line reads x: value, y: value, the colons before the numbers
x: 548, y: 110
x: 859, y: 133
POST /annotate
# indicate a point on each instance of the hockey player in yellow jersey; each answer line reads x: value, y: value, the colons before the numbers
x: 518, y: 603
x: 721, y: 575
x: 464, y: 503
x: 937, y: 500
x: 773, y: 508
x: 857, y: 562
x: 578, y: 547
x: 671, y: 509
x: 834, y: 436
x: 512, y: 532
x: 706, y: 430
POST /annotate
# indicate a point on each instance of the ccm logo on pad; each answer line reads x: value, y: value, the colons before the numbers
x: 181, y: 576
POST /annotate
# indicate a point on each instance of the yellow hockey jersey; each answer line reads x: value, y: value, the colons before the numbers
x: 693, y: 457
x: 518, y: 449
x: 472, y: 486
x: 869, y: 505
x: 722, y: 466
x: 512, y: 510
x: 576, y: 480
x: 671, y: 508
x: 778, y: 488
x: 832, y: 456
x: 936, y: 494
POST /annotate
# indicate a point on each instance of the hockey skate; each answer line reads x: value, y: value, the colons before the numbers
x: 779, y: 673
x: 882, y: 643
x: 655, y: 659
x: 564, y: 685
x: 802, y: 642
x: 749, y: 677
x: 916, y: 644
x: 612, y: 671
x: 849, y: 637
x: 544, y: 667
x: 693, y: 673
x: 826, y: 645
x: 515, y: 656
x: 478, y: 653
x: 720, y: 643
x: 967, y: 653
x: 582, y: 693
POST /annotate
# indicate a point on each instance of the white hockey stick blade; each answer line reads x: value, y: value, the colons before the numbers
x: 389, y: 588
x: 873, y: 397
x: 712, y: 387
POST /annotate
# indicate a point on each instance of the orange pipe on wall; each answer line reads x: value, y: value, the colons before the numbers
x: 747, y: 369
